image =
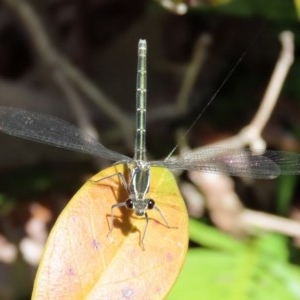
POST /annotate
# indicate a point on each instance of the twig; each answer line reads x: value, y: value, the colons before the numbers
x: 250, y: 220
x: 199, y: 55
x: 225, y: 207
x: 98, y: 97
x: 76, y: 104
x: 222, y: 201
x: 191, y: 73
x: 55, y: 61
x: 251, y: 134
x: 279, y: 75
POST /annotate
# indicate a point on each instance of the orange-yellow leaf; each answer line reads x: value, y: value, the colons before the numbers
x: 81, y: 261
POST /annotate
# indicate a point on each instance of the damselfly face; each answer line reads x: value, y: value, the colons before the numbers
x: 140, y: 206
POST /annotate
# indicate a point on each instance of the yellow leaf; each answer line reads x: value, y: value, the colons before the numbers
x: 81, y: 262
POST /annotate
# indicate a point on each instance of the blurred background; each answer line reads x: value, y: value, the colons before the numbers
x: 99, y: 39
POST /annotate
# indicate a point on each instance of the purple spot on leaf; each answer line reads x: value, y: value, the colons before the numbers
x: 127, y: 293
x: 71, y: 272
x: 169, y: 257
x: 96, y: 244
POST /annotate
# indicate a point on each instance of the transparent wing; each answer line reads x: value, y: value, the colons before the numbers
x: 238, y: 162
x: 50, y: 130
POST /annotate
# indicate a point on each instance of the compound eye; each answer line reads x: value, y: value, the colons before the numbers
x: 151, y: 204
x: 129, y: 203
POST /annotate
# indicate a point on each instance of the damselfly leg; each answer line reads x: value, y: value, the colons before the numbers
x: 136, y: 201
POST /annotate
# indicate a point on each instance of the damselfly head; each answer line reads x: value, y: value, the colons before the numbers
x: 140, y: 207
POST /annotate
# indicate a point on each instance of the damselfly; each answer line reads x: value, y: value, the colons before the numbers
x: 56, y: 132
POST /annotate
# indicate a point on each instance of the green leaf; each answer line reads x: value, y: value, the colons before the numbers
x: 286, y: 187
x: 211, y: 237
x: 297, y: 5
x: 259, y: 270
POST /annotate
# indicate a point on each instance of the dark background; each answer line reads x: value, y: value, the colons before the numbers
x: 100, y: 38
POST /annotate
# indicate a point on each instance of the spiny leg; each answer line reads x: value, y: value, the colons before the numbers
x: 164, y: 218
x: 121, y: 176
x: 145, y: 229
x: 111, y: 226
x: 124, y: 183
x: 147, y: 221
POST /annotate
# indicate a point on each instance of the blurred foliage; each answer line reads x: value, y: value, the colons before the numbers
x: 257, y: 268
x: 285, y: 191
x: 270, y: 9
x: 297, y: 4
